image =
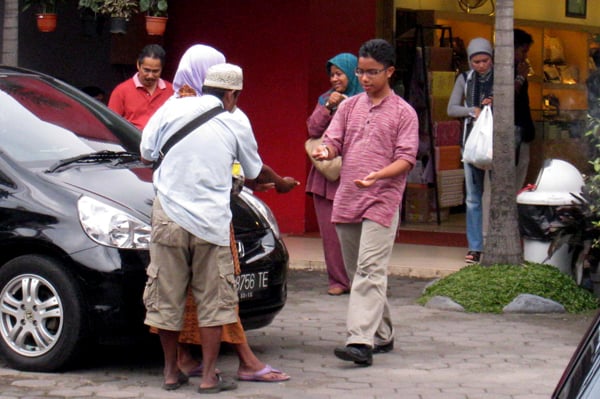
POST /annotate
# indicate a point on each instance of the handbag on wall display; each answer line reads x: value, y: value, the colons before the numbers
x: 478, y: 149
x: 329, y: 168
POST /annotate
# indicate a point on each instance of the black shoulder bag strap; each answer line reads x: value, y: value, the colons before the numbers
x: 184, y: 131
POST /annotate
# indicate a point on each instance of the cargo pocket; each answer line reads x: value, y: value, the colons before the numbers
x: 165, y: 231
x: 150, y: 296
x: 227, y: 286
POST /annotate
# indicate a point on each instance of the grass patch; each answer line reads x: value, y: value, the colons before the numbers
x: 489, y: 289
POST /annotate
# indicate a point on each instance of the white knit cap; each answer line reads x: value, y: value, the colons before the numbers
x: 224, y: 76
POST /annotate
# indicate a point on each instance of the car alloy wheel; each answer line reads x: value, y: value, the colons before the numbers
x: 41, y: 319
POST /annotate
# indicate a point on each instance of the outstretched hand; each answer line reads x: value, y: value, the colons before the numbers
x: 367, y: 181
x: 286, y: 184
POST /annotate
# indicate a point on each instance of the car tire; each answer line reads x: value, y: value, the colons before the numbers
x: 42, y: 322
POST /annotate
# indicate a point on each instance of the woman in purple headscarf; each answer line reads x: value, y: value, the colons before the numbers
x: 193, y: 66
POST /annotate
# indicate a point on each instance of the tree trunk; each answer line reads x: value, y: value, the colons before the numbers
x: 9, y: 33
x: 503, y: 243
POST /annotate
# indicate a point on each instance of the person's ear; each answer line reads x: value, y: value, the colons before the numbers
x: 229, y: 100
x: 390, y: 71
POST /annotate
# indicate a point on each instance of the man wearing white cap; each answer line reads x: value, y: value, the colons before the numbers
x: 191, y: 218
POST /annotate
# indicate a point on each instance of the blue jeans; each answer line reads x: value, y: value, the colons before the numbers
x: 474, y: 185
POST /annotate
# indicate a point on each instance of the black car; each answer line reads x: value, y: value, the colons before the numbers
x: 75, y: 205
x: 581, y: 378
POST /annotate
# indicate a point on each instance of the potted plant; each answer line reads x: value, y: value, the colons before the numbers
x: 45, y: 15
x: 89, y: 10
x: 578, y: 224
x: 119, y: 11
x: 156, y: 15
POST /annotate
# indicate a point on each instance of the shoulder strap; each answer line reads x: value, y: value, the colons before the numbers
x: 185, y: 130
x: 191, y: 125
x: 468, y: 76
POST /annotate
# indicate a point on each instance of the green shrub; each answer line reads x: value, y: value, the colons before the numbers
x: 480, y: 289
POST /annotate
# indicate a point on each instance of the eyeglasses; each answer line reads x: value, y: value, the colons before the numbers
x: 369, y: 72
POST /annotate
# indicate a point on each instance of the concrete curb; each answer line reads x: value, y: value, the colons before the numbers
x: 394, y: 270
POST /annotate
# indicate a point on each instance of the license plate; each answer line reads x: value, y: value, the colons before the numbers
x: 250, y: 284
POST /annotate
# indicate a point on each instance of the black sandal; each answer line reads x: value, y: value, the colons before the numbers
x: 472, y: 257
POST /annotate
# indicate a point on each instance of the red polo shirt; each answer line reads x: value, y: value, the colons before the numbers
x: 132, y: 101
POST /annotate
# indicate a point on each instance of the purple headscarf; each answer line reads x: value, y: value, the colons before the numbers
x: 193, y: 66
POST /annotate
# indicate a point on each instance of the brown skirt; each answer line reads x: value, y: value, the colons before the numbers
x: 190, y: 334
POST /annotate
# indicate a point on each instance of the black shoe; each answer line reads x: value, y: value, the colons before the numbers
x: 384, y: 348
x: 357, y: 353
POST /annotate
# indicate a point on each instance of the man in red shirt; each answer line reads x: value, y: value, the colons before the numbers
x: 136, y: 99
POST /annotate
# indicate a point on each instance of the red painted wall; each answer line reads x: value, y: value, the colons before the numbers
x: 282, y: 46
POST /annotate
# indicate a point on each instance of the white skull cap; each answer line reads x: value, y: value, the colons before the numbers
x: 224, y: 76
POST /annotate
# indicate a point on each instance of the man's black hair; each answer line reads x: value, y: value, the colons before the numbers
x: 152, y: 51
x: 521, y: 38
x: 218, y: 91
x: 380, y: 50
x: 215, y: 91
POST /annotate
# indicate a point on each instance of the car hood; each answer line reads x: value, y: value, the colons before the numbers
x: 130, y: 187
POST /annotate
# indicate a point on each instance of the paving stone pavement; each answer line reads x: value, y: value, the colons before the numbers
x: 439, y: 354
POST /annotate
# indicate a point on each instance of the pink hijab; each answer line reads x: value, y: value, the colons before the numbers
x: 193, y: 66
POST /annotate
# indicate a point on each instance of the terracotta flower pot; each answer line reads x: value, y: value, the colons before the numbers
x: 156, y: 25
x: 46, y: 22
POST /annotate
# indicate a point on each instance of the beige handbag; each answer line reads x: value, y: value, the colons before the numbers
x: 329, y: 168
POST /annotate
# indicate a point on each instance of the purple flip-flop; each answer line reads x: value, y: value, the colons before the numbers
x: 261, y: 375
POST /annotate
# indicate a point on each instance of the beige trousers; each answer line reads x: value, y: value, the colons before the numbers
x: 366, y: 248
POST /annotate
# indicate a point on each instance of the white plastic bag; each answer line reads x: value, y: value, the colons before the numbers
x: 479, y: 145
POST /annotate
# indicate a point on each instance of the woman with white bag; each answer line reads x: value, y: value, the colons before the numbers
x: 472, y: 91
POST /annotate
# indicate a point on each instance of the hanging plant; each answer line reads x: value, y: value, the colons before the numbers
x: 91, y: 23
x: 41, y: 6
x: 156, y: 15
x: 154, y: 8
x: 45, y: 13
x: 119, y: 8
x: 119, y: 11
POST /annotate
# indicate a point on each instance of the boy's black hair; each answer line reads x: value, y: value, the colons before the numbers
x: 380, y: 50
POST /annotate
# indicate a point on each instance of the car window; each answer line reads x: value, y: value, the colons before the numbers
x: 38, y: 122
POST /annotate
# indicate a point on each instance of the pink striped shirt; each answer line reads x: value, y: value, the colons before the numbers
x: 369, y: 138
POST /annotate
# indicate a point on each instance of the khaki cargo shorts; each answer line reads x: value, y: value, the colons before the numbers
x: 179, y: 259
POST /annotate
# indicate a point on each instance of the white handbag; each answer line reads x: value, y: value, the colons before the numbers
x: 329, y: 168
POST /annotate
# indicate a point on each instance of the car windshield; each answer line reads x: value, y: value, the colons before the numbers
x: 46, y: 121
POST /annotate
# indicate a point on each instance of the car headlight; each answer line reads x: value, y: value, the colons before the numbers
x: 112, y: 227
x: 262, y: 209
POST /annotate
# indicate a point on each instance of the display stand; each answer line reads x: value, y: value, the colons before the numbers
x: 420, y: 43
